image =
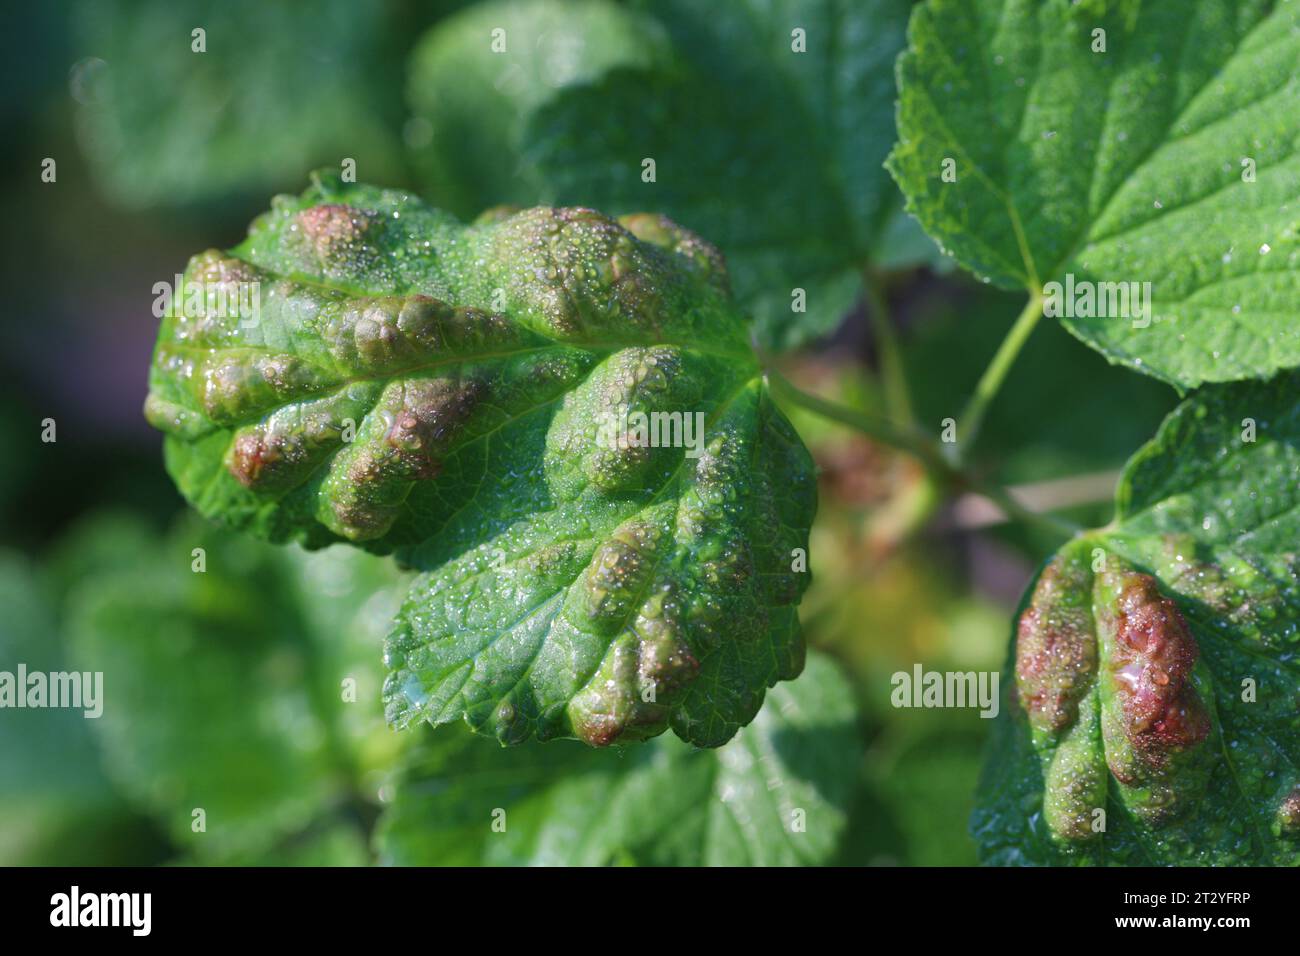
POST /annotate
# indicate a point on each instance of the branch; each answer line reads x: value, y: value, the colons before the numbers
x: 972, y: 416
x: 917, y: 443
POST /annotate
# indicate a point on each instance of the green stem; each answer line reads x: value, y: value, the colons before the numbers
x: 892, y: 374
x: 904, y: 438
x: 918, y: 443
x: 972, y: 416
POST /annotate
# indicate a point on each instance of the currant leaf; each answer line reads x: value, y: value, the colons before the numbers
x: 1142, y: 157
x: 1153, y: 716
x: 555, y: 415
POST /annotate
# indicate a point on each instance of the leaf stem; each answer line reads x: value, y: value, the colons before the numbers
x: 892, y: 373
x: 916, y: 442
x: 972, y: 416
x: 904, y: 438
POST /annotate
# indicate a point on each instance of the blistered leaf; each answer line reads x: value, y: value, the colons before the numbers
x: 776, y: 794
x: 1099, y: 144
x: 1153, y: 718
x: 556, y: 415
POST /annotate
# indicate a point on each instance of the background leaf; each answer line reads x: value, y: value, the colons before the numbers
x: 1118, y: 166
x: 472, y: 99
x: 774, y: 154
x: 224, y: 689
x: 56, y: 804
x: 161, y: 123
x: 661, y: 803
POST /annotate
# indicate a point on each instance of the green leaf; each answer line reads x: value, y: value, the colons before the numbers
x: 587, y: 577
x: 225, y: 687
x: 775, y: 154
x: 162, y: 123
x: 51, y: 784
x: 333, y: 845
x: 1154, y: 660
x: 473, y: 89
x: 777, y: 794
x: 926, y: 793
x: 1122, y: 166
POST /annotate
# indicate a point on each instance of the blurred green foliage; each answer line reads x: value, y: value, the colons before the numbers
x: 164, y: 122
x: 777, y: 794
x: 247, y: 689
x: 54, y: 797
x: 473, y: 92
